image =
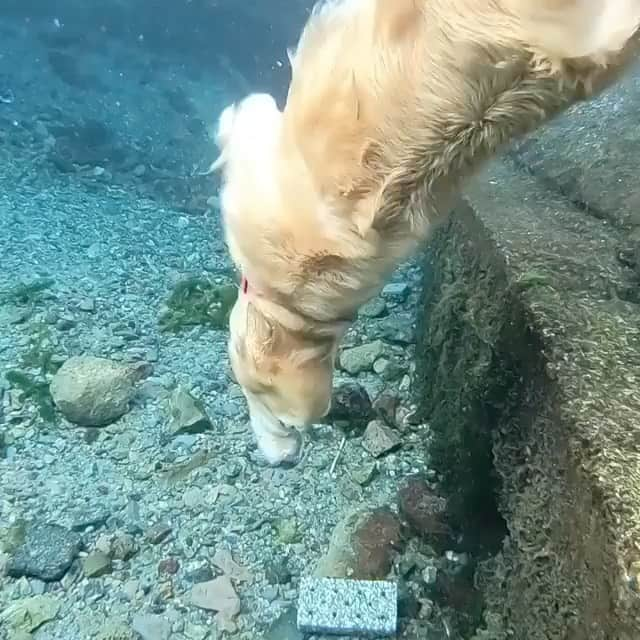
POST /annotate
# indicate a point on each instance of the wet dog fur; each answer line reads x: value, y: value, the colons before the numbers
x: 391, y: 105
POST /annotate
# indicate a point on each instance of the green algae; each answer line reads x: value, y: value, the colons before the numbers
x: 198, y: 301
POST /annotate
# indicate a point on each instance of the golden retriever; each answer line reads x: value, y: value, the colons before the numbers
x: 392, y: 103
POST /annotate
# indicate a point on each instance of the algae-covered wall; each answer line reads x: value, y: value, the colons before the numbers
x: 528, y: 372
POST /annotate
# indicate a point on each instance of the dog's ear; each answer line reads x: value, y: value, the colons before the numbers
x: 395, y: 19
x: 573, y: 29
x: 260, y: 332
x: 223, y: 133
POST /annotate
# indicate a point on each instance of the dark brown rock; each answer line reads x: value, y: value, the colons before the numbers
x: 424, y: 511
x: 363, y: 546
x: 351, y: 407
x: 376, y: 540
x: 168, y: 566
x: 385, y: 406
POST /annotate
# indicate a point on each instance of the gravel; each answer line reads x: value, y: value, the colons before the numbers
x: 120, y: 523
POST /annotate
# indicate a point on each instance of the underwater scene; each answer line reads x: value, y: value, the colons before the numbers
x: 302, y: 338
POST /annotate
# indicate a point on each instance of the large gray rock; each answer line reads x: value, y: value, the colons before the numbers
x: 528, y: 375
x: 45, y: 551
x: 590, y: 154
x: 94, y: 392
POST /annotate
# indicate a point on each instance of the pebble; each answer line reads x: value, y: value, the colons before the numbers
x: 87, y: 305
x: 285, y: 627
x: 116, y: 631
x: 396, y: 291
x: 123, y: 546
x: 397, y: 329
x: 197, y: 632
x: 168, y: 566
x: 93, y: 251
x: 270, y: 593
x: 158, y: 532
x: 96, y: 564
x: 361, y: 358
x: 386, y: 405
x: 379, y: 439
x: 362, y: 546
x: 193, y: 498
x: 277, y: 572
x: 351, y: 406
x: 423, y: 509
x: 199, y: 573
x: 430, y: 575
x: 364, y: 473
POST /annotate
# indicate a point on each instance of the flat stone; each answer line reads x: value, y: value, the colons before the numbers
x: 379, y: 439
x: 385, y: 405
x: 193, y: 498
x: 396, y: 329
x: 46, y: 553
x: 87, y: 305
x: 151, y: 626
x: 361, y: 358
x: 96, y: 564
x: 29, y: 614
x: 396, y: 291
x: 188, y: 415
x: 216, y: 595
x: 364, y: 473
x: 375, y: 308
x: 158, y: 532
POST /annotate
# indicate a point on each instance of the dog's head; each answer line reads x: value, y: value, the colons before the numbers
x: 285, y: 376
x: 283, y: 366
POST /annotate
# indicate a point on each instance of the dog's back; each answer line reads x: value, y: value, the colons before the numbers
x: 370, y: 77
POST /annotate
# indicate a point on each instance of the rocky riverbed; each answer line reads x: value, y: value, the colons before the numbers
x: 132, y: 501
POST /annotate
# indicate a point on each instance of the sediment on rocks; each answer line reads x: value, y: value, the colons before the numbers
x: 528, y: 371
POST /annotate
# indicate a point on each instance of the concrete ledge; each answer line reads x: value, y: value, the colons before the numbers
x: 529, y: 374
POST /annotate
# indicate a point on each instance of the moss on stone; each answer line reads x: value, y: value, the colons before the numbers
x: 197, y: 301
x: 465, y: 380
x: 36, y: 390
x: 40, y: 352
x: 528, y: 373
x: 36, y: 364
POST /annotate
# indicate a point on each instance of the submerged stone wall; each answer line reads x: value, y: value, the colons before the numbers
x: 529, y: 375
